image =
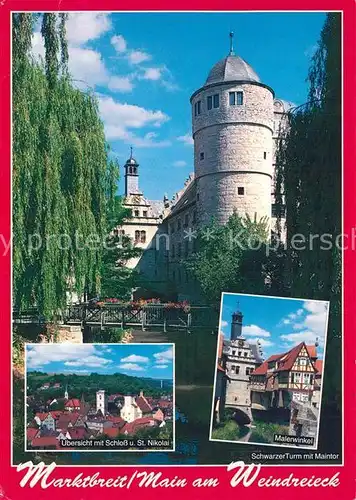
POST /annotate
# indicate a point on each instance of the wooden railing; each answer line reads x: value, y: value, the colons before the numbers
x: 145, y: 316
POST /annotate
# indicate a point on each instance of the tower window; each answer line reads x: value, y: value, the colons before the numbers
x: 137, y: 236
x: 186, y: 220
x: 240, y: 191
x: 210, y: 102
x: 236, y: 98
x: 264, y: 155
x: 179, y: 225
x: 137, y: 213
x: 249, y: 370
x: 144, y: 213
x: 201, y: 156
x: 197, y: 108
x: 143, y: 237
x: 216, y: 100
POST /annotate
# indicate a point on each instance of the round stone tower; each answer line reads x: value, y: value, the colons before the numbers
x: 232, y: 116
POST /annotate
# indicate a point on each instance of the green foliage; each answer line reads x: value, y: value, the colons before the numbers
x: 309, y: 176
x: 61, y: 173
x: 111, y: 336
x: 222, y: 252
x: 87, y: 385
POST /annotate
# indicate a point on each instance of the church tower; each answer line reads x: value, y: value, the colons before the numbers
x: 101, y: 402
x: 131, y: 176
x: 236, y: 325
x: 66, y: 393
x: 240, y: 361
x: 232, y: 119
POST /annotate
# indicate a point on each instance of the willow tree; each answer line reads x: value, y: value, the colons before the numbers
x: 62, y: 177
x: 309, y: 170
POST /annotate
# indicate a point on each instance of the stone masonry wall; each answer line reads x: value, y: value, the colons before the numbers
x: 237, y: 147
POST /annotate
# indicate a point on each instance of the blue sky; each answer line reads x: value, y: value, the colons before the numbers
x: 279, y: 324
x: 141, y: 360
x: 145, y: 66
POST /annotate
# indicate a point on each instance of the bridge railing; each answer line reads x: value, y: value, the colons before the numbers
x: 145, y: 316
x: 126, y: 315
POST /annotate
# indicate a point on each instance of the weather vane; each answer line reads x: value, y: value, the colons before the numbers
x: 231, y: 43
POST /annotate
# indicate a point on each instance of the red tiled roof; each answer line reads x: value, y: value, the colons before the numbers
x: 116, y: 420
x: 112, y: 432
x: 143, y: 404
x: 56, y: 414
x: 261, y: 370
x: 220, y: 351
x: 158, y: 415
x: 31, y: 433
x: 77, y: 432
x: 42, y: 416
x: 162, y: 403
x: 283, y: 365
x: 311, y: 351
x: 44, y: 442
x: 132, y: 427
x: 73, y: 403
x: 289, y: 358
x: 318, y: 365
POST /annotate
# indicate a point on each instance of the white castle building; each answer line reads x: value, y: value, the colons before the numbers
x: 236, y: 121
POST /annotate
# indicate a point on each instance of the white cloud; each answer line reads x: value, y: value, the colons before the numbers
x: 120, y: 84
x: 179, y: 163
x: 310, y: 320
x: 187, y: 139
x: 69, y: 354
x: 255, y: 331
x: 85, y: 26
x: 224, y: 323
x: 119, y: 118
x: 138, y: 56
x: 161, y: 366
x: 129, y: 115
x: 131, y: 367
x: 90, y: 361
x: 305, y: 336
x: 88, y: 66
x: 164, y: 356
x: 152, y: 74
x: 119, y: 43
x: 134, y: 358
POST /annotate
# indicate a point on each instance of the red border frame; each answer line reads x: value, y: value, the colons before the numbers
x: 9, y: 477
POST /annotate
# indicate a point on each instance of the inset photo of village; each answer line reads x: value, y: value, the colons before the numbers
x: 111, y: 397
x: 269, y: 370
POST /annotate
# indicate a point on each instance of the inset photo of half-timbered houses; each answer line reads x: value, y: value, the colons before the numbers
x: 269, y: 370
